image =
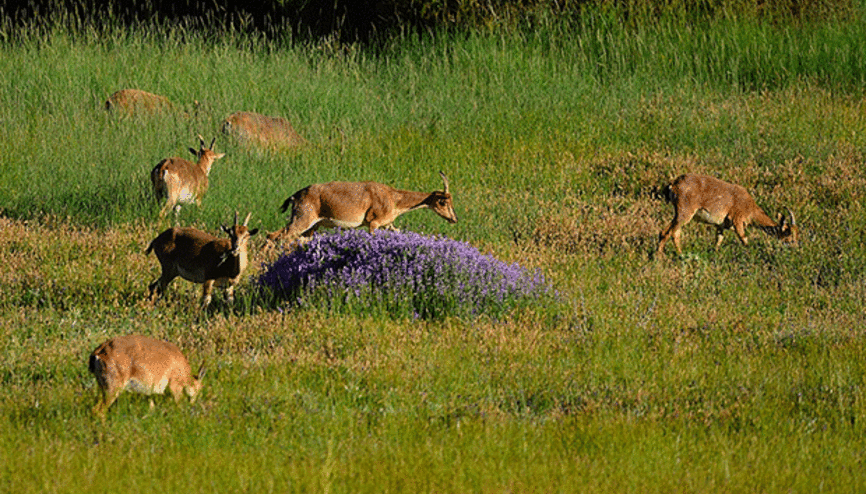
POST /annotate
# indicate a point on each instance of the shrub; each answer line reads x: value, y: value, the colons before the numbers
x: 401, y: 274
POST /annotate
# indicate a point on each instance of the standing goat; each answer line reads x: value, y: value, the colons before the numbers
x: 200, y: 257
x: 725, y: 205
x: 354, y: 204
x: 141, y: 365
x: 181, y: 181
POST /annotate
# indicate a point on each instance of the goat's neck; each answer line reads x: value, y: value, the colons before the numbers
x: 242, y: 259
x: 766, y: 224
x: 205, y: 162
x: 407, y: 200
x: 232, y: 263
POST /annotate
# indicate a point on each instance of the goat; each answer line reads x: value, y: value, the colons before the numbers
x: 269, y: 132
x: 200, y: 257
x: 722, y: 204
x: 354, y: 204
x: 136, y: 101
x: 182, y: 182
x: 141, y: 365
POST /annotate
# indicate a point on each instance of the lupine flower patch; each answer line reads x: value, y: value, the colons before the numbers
x: 401, y: 274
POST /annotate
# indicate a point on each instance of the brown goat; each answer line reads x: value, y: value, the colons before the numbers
x: 354, y: 204
x: 179, y: 181
x: 256, y: 129
x: 722, y: 204
x: 141, y: 365
x: 200, y: 257
x: 137, y: 102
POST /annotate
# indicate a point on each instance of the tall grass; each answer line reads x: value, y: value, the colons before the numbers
x: 732, y: 370
x: 523, y: 97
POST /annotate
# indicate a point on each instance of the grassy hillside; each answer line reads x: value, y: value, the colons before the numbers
x: 732, y: 370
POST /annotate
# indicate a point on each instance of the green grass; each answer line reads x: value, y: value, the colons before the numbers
x: 737, y: 370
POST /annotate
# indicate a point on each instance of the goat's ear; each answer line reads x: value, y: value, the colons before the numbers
x: 193, y: 151
x: 253, y: 231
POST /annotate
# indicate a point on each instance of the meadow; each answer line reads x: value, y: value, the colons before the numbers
x: 735, y: 370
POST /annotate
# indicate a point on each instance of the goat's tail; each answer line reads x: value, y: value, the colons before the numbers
x: 294, y: 199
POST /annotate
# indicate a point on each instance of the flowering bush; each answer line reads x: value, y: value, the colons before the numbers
x: 402, y: 274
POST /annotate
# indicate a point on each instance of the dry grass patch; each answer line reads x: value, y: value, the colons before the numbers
x: 54, y: 262
x: 613, y: 226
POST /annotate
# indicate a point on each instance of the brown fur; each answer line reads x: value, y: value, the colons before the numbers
x: 200, y: 257
x: 722, y: 204
x: 354, y: 204
x: 261, y: 130
x: 137, y: 102
x: 179, y: 181
x: 143, y: 365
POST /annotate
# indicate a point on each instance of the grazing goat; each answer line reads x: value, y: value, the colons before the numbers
x: 256, y: 129
x: 200, y: 257
x: 182, y: 182
x: 137, y: 102
x: 722, y: 204
x: 141, y: 365
x: 354, y: 204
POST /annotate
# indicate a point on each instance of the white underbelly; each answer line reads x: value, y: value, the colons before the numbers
x: 344, y: 223
x: 705, y: 216
x: 137, y: 386
x: 186, y: 196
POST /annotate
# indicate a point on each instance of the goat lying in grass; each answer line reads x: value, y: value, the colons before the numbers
x: 255, y: 129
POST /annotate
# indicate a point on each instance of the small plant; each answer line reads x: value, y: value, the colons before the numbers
x: 401, y: 274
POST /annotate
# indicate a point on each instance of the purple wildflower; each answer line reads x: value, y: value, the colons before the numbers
x: 402, y: 274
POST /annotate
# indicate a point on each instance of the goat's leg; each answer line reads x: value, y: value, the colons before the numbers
x: 206, y: 290
x: 157, y: 288
x: 740, y: 230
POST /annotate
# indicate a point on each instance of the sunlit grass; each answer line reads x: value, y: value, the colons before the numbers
x: 738, y: 369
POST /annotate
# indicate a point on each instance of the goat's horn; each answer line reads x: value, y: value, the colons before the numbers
x: 793, y: 222
x: 247, y: 219
x: 236, y: 218
x: 201, y: 140
x: 444, y: 179
x: 212, y: 143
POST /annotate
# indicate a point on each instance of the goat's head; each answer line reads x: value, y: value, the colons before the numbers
x: 195, y: 388
x: 206, y: 151
x: 441, y: 203
x: 239, y: 234
x: 788, y: 231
